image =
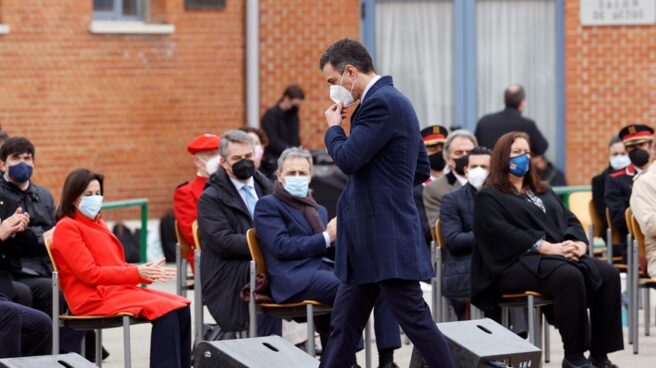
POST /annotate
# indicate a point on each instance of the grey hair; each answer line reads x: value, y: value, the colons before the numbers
x: 294, y: 152
x: 234, y: 136
x: 453, y: 135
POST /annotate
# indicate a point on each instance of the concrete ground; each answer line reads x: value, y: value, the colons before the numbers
x: 113, y: 342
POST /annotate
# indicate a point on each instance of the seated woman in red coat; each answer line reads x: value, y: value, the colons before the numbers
x: 97, y: 281
x: 527, y: 240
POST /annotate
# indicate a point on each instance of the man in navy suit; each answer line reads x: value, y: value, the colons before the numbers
x: 295, y: 235
x: 380, y: 249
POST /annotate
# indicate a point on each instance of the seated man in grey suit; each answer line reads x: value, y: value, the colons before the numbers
x: 457, y: 146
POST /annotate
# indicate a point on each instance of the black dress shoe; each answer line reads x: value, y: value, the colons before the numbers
x: 602, y: 364
x: 567, y: 364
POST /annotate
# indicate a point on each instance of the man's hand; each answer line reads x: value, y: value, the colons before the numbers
x: 335, y: 114
x: 332, y: 229
x: 574, y: 249
x: 14, y: 224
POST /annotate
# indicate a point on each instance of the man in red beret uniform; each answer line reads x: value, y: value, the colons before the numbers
x: 205, y: 152
x: 637, y: 139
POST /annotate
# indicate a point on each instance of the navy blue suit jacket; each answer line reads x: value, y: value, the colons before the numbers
x: 291, y: 249
x: 457, y: 224
x: 379, y: 235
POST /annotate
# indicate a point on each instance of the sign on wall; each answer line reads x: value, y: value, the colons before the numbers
x: 617, y: 12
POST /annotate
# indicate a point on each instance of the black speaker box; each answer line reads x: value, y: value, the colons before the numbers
x: 51, y: 361
x: 258, y: 352
x: 483, y: 343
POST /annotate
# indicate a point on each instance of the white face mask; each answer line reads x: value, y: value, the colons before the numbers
x: 212, y: 165
x: 340, y: 94
x: 477, y: 176
x: 90, y: 206
x: 619, y: 162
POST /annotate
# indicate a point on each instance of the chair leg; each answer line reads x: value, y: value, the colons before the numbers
x: 629, y: 291
x: 635, y: 293
x: 183, y: 277
x: 55, y: 312
x: 99, y: 347
x: 83, y: 345
x: 127, y: 354
x: 531, y: 320
x: 647, y: 310
x: 198, y: 301
x: 179, y: 275
x: 547, y: 342
x: 252, y: 312
x: 309, y: 344
x: 367, y: 344
x: 609, y: 245
x: 504, y: 317
x: 591, y: 240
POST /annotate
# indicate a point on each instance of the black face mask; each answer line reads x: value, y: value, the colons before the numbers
x: 639, y: 157
x: 293, y: 110
x: 243, y: 169
x: 461, y: 163
x: 437, y: 162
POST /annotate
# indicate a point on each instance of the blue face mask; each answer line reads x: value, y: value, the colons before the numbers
x: 520, y: 165
x: 20, y: 173
x: 90, y: 206
x: 297, y: 185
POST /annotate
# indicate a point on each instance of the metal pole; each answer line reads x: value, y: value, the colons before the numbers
x: 635, y: 297
x: 127, y: 353
x: 198, y: 300
x: 629, y: 290
x: 367, y: 344
x: 531, y: 320
x: 434, y: 282
x: 179, y: 274
x: 253, y: 63
x: 591, y: 240
x: 55, y: 312
x: 609, y: 245
x: 310, y: 331
x: 99, y: 347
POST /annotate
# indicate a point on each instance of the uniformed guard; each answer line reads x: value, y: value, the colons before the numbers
x: 205, y: 152
x: 637, y: 139
x: 434, y: 137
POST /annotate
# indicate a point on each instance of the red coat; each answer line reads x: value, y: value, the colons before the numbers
x: 185, y: 209
x: 95, y: 278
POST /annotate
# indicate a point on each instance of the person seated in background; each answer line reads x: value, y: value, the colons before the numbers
x: 456, y: 223
x: 23, y: 331
x: 225, y: 213
x: 618, y: 160
x: 97, y: 281
x: 548, y: 173
x: 260, y: 140
x: 456, y: 147
x: 434, y: 137
x: 295, y: 235
x: 637, y: 140
x: 527, y: 240
x: 643, y: 204
x: 205, y: 152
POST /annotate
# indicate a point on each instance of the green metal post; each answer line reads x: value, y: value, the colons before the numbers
x: 144, y: 231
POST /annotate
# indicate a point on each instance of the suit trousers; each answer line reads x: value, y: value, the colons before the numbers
x: 170, y: 340
x: 567, y: 289
x: 353, y: 305
x: 323, y: 288
x: 23, y: 331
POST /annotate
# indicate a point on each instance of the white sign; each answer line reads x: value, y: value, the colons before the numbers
x: 617, y: 12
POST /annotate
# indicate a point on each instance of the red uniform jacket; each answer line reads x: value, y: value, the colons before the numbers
x: 95, y: 278
x: 185, y: 209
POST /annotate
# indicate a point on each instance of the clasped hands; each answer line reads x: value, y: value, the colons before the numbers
x: 153, y: 271
x: 14, y: 224
x: 569, y: 249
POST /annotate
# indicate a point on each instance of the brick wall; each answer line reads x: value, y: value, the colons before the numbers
x: 123, y: 105
x: 611, y: 82
x: 293, y: 36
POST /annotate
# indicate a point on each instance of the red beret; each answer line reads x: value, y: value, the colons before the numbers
x: 205, y: 142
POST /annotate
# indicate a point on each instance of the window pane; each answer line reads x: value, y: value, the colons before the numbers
x: 414, y: 44
x: 517, y: 44
x: 130, y: 7
x: 103, y: 5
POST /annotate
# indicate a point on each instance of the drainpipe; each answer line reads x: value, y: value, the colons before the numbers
x: 252, y: 63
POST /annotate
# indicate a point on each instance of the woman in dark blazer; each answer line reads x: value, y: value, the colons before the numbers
x: 527, y: 240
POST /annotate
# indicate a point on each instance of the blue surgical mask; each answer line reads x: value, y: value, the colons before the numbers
x: 297, y: 185
x: 520, y: 165
x: 90, y: 206
x: 620, y: 161
x: 20, y: 173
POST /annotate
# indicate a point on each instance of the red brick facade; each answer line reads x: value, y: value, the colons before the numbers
x: 126, y: 105
x: 610, y: 82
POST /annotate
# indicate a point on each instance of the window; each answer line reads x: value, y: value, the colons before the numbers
x: 118, y: 9
x: 414, y: 44
x: 204, y: 4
